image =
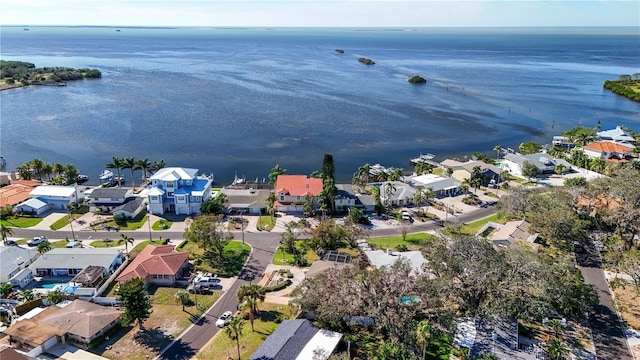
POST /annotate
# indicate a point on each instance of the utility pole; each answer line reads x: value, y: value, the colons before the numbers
x: 242, y: 225
x: 149, y: 225
x: 73, y: 234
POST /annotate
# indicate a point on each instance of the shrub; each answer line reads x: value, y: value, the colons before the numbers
x: 278, y: 287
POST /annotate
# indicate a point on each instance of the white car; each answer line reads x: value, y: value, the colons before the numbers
x: 224, y: 319
x: 37, y: 240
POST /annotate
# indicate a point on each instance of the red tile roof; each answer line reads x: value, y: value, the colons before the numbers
x: 154, y: 260
x: 17, y: 192
x: 298, y: 185
x: 609, y: 147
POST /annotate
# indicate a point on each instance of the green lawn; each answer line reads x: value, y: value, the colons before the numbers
x: 132, y: 224
x: 438, y: 171
x: 161, y: 225
x: 222, y: 348
x: 63, y: 221
x: 235, y: 252
x: 473, y: 227
x: 21, y: 222
x: 413, y: 241
x: 104, y: 244
x: 58, y: 244
x: 280, y: 258
x: 266, y: 223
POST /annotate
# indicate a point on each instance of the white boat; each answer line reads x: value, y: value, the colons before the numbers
x: 106, y: 177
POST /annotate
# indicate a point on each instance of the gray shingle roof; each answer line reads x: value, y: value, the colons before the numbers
x: 9, y: 256
x: 130, y: 205
x: 286, y: 342
x: 75, y: 258
x: 116, y: 193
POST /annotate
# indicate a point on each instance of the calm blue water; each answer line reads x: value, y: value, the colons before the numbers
x: 242, y: 100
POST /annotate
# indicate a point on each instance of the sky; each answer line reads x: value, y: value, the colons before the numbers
x: 322, y: 13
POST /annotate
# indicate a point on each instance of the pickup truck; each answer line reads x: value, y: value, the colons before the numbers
x: 203, y: 282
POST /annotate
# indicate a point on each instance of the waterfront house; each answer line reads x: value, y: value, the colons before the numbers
x: 247, y: 201
x: 351, y: 196
x: 75, y: 322
x: 157, y: 264
x: 563, y: 142
x: 71, y: 261
x: 291, y: 190
x: 400, y: 194
x: 108, y: 198
x: 617, y: 135
x: 545, y: 163
x: 609, y: 151
x: 57, y: 197
x: 297, y: 339
x: 464, y: 170
x: 441, y: 186
x: 17, y: 192
x: 177, y: 190
x: 14, y: 261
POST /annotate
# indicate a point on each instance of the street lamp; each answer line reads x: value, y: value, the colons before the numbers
x: 149, y: 226
x: 73, y: 234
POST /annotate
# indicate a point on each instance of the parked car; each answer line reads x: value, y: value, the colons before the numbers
x: 11, y: 243
x: 224, y: 319
x: 37, y: 240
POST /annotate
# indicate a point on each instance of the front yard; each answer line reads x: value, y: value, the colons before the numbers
x: 166, y: 322
x: 267, y: 320
x: 20, y: 221
x: 412, y: 242
x: 235, y: 254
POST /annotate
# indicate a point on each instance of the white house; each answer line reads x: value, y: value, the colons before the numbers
x: 33, y: 206
x: 401, y: 194
x: 57, y: 197
x: 71, y: 261
x: 441, y: 186
x: 545, y: 164
x: 177, y: 190
x: 617, y: 135
x: 14, y: 261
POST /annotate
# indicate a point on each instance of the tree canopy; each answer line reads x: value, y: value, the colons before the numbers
x: 135, y: 301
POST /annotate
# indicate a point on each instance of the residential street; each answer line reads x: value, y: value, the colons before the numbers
x: 263, y: 245
x: 608, y: 334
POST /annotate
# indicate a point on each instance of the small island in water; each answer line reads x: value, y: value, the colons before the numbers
x: 366, y: 61
x: 14, y: 74
x: 417, y: 79
x: 626, y: 85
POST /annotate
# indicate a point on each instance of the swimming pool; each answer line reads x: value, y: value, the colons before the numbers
x: 65, y: 288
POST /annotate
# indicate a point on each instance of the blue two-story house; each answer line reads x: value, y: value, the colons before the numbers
x: 178, y: 190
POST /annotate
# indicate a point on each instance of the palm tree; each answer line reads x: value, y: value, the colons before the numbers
x: 130, y: 163
x: 427, y: 195
x: 157, y: 165
x: 364, y: 174
x: 389, y: 190
x: 116, y: 163
x: 27, y: 296
x: 234, y: 330
x: 560, y: 169
x: 47, y: 169
x: 556, y: 349
x: 182, y: 297
x: 271, y: 204
x: 57, y: 168
x: 251, y: 294
x: 498, y: 150
x: 556, y: 326
x: 418, y: 197
x: 126, y: 240
x: 36, y: 166
x: 423, y: 334
x: 145, y: 166
x: 4, y: 232
x: 43, y: 247
x: 597, y: 165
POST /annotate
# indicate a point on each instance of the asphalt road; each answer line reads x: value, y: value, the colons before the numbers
x: 197, y: 336
x: 608, y: 334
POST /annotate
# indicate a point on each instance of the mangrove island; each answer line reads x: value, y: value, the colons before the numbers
x: 15, y: 74
x: 626, y: 85
x: 366, y: 61
x: 417, y: 79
